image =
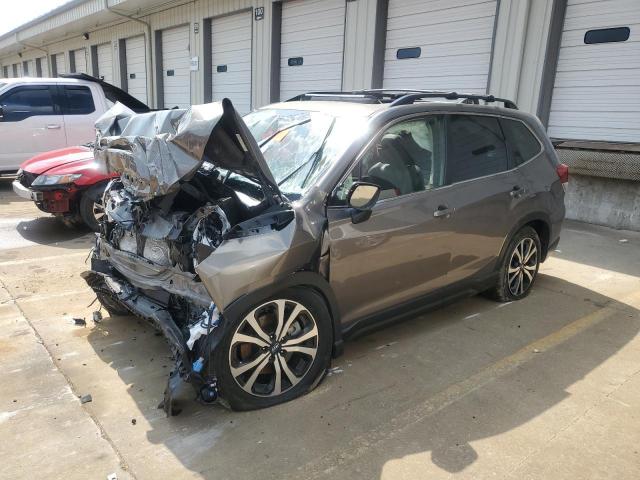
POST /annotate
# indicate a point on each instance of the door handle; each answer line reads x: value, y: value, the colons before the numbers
x: 442, y: 211
x: 53, y: 126
x: 517, y: 191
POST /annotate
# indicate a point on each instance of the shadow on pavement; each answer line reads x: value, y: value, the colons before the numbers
x: 50, y: 230
x: 415, y: 387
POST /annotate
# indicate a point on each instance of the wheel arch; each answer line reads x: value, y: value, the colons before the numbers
x: 541, y: 223
x: 304, y: 279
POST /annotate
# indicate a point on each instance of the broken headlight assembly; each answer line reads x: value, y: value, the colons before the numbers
x: 49, y: 180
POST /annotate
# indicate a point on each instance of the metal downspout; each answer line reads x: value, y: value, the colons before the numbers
x: 151, y: 98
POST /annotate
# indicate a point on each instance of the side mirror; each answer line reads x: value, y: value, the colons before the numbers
x: 361, y: 198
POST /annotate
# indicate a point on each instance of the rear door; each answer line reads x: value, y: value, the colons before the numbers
x: 80, y: 112
x: 30, y: 124
x: 402, y: 251
x: 483, y: 195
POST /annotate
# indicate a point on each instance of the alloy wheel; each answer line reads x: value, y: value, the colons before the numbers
x: 523, y: 266
x: 98, y: 211
x: 273, y: 348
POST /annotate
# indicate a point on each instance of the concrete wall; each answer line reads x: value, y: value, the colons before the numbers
x: 603, y: 201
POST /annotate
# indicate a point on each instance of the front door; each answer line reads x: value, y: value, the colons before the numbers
x: 30, y: 124
x: 403, y: 250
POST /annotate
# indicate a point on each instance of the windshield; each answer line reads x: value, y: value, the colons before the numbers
x: 300, y: 145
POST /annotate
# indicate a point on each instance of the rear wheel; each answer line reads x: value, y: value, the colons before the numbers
x: 519, y: 267
x: 275, y: 352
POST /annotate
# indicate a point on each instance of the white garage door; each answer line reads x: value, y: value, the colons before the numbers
x: 312, y: 45
x: 136, y: 68
x: 44, y: 67
x: 231, y: 59
x: 29, y: 68
x: 439, y: 45
x: 175, y: 67
x: 105, y: 62
x: 60, y: 65
x: 80, y: 60
x: 597, y: 86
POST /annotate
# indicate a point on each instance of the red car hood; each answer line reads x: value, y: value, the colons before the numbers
x: 67, y: 161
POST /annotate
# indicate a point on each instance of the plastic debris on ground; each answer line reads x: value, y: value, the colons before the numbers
x: 80, y: 322
x: 334, y: 371
x: 97, y: 316
x: 86, y: 398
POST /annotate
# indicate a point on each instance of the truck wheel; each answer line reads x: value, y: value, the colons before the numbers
x: 91, y: 212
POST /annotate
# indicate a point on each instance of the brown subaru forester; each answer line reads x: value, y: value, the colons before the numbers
x: 258, y: 244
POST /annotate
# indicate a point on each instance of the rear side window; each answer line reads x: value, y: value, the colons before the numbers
x: 523, y: 145
x: 78, y: 101
x: 475, y: 147
x: 25, y: 102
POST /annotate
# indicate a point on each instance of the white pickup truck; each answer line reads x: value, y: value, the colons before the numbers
x: 42, y: 114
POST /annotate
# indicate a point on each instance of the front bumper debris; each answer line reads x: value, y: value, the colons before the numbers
x: 189, y: 363
x: 25, y: 192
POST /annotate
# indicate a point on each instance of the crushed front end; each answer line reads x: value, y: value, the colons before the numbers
x: 189, y: 184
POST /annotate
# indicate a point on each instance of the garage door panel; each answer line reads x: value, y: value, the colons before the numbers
x: 105, y: 62
x: 455, y: 40
x: 176, y: 73
x: 449, y: 50
x: 136, y: 67
x: 596, y: 94
x: 314, y: 31
x: 231, y: 46
x: 60, y: 64
x: 80, y: 60
x: 416, y: 7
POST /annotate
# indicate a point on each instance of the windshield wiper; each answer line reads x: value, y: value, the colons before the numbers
x: 314, y: 156
x: 278, y: 132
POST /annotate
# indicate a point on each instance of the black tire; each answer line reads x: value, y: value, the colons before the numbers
x: 87, y: 214
x: 111, y: 305
x: 504, y: 290
x: 235, y: 395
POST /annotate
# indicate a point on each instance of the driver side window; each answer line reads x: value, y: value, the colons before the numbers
x: 407, y: 157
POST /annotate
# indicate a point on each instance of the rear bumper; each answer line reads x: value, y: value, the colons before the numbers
x: 25, y: 192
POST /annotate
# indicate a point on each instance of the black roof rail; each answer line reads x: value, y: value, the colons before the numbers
x: 399, y: 96
x: 410, y: 98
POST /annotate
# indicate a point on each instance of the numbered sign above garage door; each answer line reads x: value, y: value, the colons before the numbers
x: 105, y: 62
x: 596, y: 95
x: 176, y: 77
x: 312, y: 45
x: 231, y: 59
x: 136, y: 68
x: 439, y: 45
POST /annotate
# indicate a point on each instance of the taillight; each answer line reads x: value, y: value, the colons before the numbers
x: 563, y: 172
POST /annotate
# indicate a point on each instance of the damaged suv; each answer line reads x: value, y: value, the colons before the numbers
x: 256, y: 245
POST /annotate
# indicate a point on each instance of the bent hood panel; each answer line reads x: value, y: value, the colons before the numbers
x: 56, y: 158
x: 154, y: 152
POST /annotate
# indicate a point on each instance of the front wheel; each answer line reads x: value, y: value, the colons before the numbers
x: 519, y: 267
x: 275, y: 352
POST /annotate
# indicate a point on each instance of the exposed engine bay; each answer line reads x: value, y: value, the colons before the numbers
x: 191, y: 183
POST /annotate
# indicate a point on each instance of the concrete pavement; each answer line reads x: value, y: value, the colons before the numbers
x: 547, y: 387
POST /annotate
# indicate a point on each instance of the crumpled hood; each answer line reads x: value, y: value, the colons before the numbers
x: 154, y: 152
x: 57, y: 158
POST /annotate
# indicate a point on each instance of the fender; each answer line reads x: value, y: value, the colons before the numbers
x: 306, y: 279
x: 531, y: 217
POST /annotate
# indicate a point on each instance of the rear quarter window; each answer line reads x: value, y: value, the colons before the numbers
x: 475, y: 147
x: 77, y: 101
x: 523, y: 145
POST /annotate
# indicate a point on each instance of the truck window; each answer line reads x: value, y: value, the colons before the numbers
x: 78, y: 101
x: 25, y: 102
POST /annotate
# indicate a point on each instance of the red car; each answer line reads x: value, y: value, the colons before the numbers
x: 67, y: 183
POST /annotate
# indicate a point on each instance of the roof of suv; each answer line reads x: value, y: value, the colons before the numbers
x: 368, y: 102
